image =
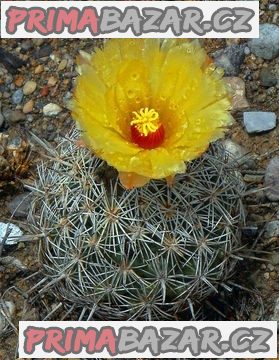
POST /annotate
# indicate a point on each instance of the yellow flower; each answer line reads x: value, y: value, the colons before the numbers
x: 148, y: 106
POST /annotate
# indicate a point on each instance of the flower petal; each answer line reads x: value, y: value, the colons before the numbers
x: 132, y: 180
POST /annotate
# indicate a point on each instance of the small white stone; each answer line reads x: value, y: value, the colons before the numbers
x: 272, y: 7
x: 272, y: 229
x: 29, y: 87
x: 51, y: 109
x: 259, y: 121
x: 237, y: 87
x: 14, y: 233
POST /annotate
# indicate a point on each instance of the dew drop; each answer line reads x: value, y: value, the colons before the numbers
x: 135, y: 76
x: 130, y: 93
x: 173, y: 106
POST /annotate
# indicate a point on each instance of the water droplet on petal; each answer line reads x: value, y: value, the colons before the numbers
x: 130, y: 93
x: 135, y: 76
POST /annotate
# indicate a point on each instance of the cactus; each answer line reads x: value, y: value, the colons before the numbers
x: 146, y: 253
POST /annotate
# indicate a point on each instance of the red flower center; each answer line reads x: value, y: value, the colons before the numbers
x: 146, y: 130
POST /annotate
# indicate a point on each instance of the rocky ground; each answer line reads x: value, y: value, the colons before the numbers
x: 36, y: 81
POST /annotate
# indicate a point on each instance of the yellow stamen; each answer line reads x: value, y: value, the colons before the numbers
x: 146, y: 121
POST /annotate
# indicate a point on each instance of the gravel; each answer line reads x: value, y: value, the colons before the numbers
x: 237, y: 153
x: 237, y: 86
x: 271, y: 180
x: 29, y: 87
x: 272, y: 229
x: 28, y: 107
x: 51, y: 109
x: 268, y: 78
x: 19, y: 206
x: 259, y: 121
x: 230, y: 59
x: 267, y: 45
x: 17, y: 97
x: 13, y: 116
x: 274, y: 259
x: 43, y: 51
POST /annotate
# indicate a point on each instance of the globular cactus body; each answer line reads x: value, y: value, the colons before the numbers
x: 146, y: 253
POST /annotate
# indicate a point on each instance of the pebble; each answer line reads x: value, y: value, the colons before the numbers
x: 247, y: 51
x: 38, y: 42
x: 272, y: 7
x: 44, y: 91
x: 261, y: 98
x: 11, y: 61
x: 51, y: 109
x: 62, y: 65
x: 259, y: 121
x: 52, y: 81
x: 26, y: 45
x: 14, y: 116
x: 230, y: 59
x: 272, y: 229
x: 43, y: 51
x: 267, y: 45
x: 273, y: 275
x: 29, y: 87
x: 237, y: 87
x: 19, y: 80
x: 28, y: 107
x: 270, y: 267
x: 29, y: 118
x: 274, y: 259
x: 238, y: 153
x: 17, y: 97
x: 6, y: 95
x: 14, y: 235
x: 254, y: 179
x: 271, y: 180
x: 9, y: 310
x: 266, y: 275
x: 19, y: 206
x: 39, y: 69
x: 268, y: 78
